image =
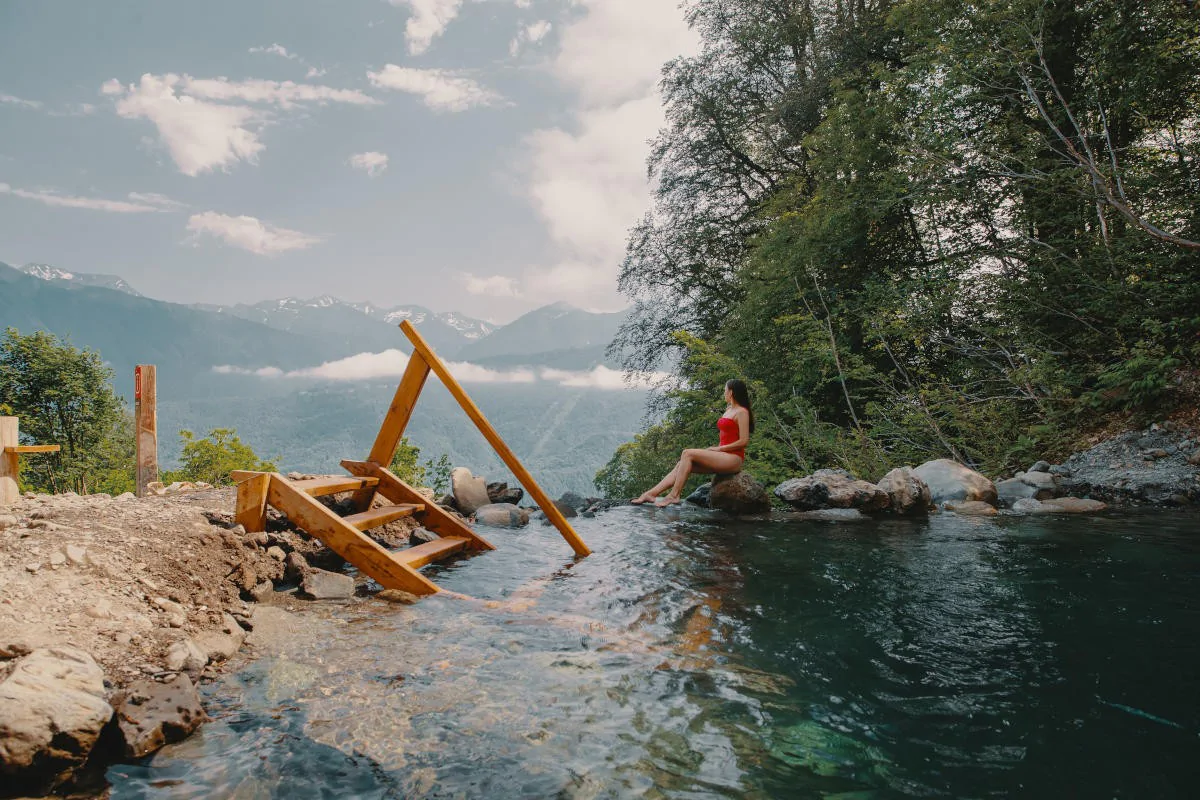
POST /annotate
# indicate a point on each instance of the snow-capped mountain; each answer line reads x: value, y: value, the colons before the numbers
x: 49, y: 273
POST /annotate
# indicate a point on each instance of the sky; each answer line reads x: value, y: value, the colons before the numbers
x: 482, y: 156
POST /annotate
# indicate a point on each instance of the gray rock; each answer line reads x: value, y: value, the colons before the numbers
x: 262, y: 591
x: 151, y: 714
x: 1060, y: 471
x: 186, y: 656
x: 1013, y: 489
x: 738, y: 494
x: 422, y: 536
x: 502, y: 515
x: 571, y: 500
x: 470, y: 491
x: 502, y: 493
x: 52, y: 709
x: 317, y: 584
x: 1040, y: 466
x: 295, y: 566
x: 907, y: 494
x: 1044, y: 482
x: 1115, y: 471
x: 220, y: 645
x: 831, y: 488
x: 565, y: 509
x: 951, y: 482
x: 700, y: 496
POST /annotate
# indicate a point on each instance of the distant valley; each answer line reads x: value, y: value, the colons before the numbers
x: 564, y: 432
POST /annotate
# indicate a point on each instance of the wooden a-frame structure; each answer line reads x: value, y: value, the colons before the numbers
x: 344, y: 535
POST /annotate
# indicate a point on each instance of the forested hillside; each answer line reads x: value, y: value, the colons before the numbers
x: 921, y: 228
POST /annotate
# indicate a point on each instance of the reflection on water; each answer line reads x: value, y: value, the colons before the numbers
x: 697, y: 657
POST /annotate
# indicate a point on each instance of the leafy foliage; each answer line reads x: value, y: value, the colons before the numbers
x: 64, y: 396
x: 214, y: 457
x: 919, y: 228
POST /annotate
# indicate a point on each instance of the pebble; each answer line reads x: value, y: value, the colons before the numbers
x: 76, y: 555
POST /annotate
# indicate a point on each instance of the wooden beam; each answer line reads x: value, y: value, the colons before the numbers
x: 251, y: 510
x: 239, y: 475
x: 506, y: 455
x: 145, y: 396
x: 10, y: 468
x: 394, y: 422
x: 427, y: 553
x: 435, y: 518
x: 376, y: 517
x: 333, y: 484
x: 33, y: 448
x: 352, y: 545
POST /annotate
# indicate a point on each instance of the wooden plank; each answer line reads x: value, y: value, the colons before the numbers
x: 145, y: 413
x: 33, y: 448
x: 375, y: 517
x: 427, y: 553
x: 251, y: 509
x: 333, y: 484
x: 435, y: 518
x: 400, y: 411
x: 345, y: 540
x: 239, y: 475
x: 10, y: 465
x: 506, y: 455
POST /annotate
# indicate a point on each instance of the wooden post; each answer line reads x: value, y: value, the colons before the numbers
x: 9, y: 464
x: 422, y: 348
x: 145, y: 397
x: 251, y: 511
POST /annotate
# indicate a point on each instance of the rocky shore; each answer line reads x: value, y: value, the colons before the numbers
x: 1157, y: 466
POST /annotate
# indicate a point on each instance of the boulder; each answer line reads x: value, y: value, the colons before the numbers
x: 318, y: 584
x: 1061, y: 505
x: 221, y: 644
x: 951, y: 482
x: 907, y: 494
x: 1013, y: 489
x: 52, y: 709
x: 501, y: 493
x: 700, y: 496
x: 421, y: 536
x: 972, y: 508
x: 470, y: 491
x: 738, y: 494
x: 566, y: 509
x: 151, y: 714
x: 502, y: 515
x: 1040, y: 466
x: 831, y: 488
x: 186, y: 656
x: 571, y: 500
x: 1044, y: 482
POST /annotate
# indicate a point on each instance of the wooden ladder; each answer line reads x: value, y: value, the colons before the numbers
x: 344, y: 535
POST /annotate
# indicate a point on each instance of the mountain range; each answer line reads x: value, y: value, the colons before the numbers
x: 305, y: 423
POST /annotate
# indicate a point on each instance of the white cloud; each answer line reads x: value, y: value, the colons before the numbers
x: 313, y: 72
x: 530, y: 34
x: 371, y: 162
x: 491, y: 286
x: 391, y: 364
x: 429, y: 18
x: 138, y: 203
x: 439, y: 89
x: 249, y: 233
x: 18, y: 101
x: 276, y: 50
x: 587, y: 180
x: 200, y: 125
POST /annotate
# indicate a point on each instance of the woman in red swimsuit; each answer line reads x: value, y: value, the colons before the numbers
x: 734, y: 426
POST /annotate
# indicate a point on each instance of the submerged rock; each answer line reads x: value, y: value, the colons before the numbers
x: 470, y: 491
x: 972, y: 508
x: 52, y: 709
x: 832, y: 515
x: 502, y: 515
x: 832, y: 488
x: 907, y: 493
x: 1061, y: 505
x: 738, y: 494
x: 151, y: 714
x: 951, y: 482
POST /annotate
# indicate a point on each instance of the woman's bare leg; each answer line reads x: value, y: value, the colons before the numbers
x: 649, y: 495
x: 702, y: 461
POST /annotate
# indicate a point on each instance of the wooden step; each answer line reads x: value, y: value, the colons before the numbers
x: 422, y: 554
x: 366, y: 520
x: 319, y: 487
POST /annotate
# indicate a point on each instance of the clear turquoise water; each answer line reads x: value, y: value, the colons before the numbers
x: 695, y: 657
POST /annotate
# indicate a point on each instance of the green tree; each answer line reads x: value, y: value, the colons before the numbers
x: 64, y: 396
x: 213, y: 458
x: 406, y: 464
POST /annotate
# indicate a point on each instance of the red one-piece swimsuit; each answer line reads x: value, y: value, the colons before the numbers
x: 728, y: 429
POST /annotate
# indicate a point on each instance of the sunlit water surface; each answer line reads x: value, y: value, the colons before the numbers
x: 693, y: 656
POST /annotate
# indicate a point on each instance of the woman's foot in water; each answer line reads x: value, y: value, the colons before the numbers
x: 669, y: 500
x: 642, y: 499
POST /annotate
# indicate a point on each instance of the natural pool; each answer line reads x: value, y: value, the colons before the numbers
x: 693, y: 656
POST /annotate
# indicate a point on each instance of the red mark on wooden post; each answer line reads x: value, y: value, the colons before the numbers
x: 137, y: 383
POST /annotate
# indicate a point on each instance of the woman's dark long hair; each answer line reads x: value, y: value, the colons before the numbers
x: 741, y: 396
